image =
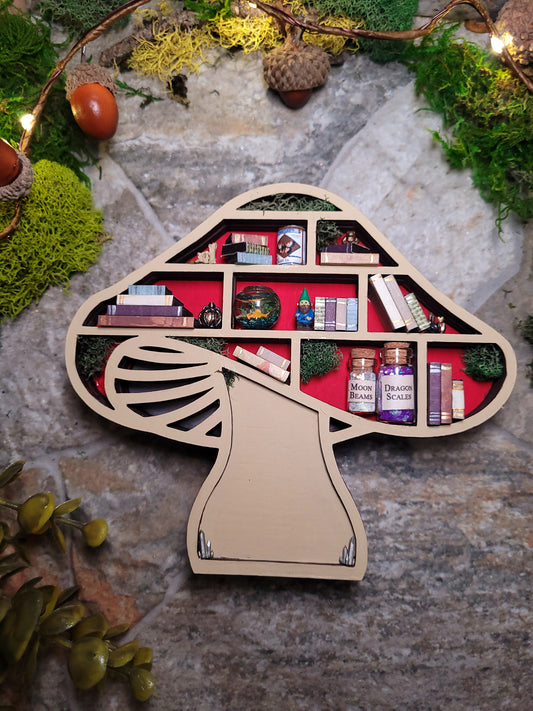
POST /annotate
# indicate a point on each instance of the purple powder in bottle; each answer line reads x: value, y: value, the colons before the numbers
x: 395, y: 386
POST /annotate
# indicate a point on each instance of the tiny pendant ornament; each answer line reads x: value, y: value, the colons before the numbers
x: 210, y: 316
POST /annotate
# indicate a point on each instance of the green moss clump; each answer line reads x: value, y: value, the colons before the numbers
x: 77, y: 16
x: 290, y: 202
x: 92, y: 353
x: 483, y: 362
x: 383, y: 15
x: 318, y: 358
x: 526, y: 329
x: 327, y: 232
x: 488, y: 114
x: 60, y: 232
x: 27, y: 59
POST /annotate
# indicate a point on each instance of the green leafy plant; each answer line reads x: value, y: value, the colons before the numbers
x: 488, y: 115
x: 484, y: 362
x: 28, y: 57
x: 318, y: 358
x: 36, y: 618
x: 209, y: 9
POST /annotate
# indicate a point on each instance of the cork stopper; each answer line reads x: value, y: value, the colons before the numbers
x: 363, y: 357
x: 362, y: 353
x: 398, y: 352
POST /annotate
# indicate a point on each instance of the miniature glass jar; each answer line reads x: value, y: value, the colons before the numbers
x: 362, y: 382
x: 256, y: 306
x: 395, y: 385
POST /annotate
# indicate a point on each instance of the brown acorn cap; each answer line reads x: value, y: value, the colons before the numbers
x: 295, y: 66
x: 86, y: 73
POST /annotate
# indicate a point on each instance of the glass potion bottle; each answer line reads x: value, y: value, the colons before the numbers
x: 362, y: 382
x: 395, y: 385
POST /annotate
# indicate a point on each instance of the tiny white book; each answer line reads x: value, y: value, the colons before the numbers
x: 386, y: 301
x: 401, y: 303
x: 261, y: 363
x: 145, y: 299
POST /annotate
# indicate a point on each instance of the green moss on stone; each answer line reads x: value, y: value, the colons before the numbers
x: 383, y: 15
x: 60, y: 232
x: 488, y: 117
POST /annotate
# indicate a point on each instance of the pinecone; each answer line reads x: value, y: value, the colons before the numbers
x: 515, y: 26
x: 295, y: 69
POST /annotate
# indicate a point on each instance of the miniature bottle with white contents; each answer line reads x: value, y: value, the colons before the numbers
x: 396, y: 384
x: 362, y: 382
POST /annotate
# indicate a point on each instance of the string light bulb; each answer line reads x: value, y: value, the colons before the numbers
x: 27, y: 121
x: 497, y: 44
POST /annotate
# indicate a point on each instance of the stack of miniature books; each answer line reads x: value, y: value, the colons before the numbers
x: 147, y: 305
x: 399, y: 310
x: 243, y: 248
x: 335, y: 313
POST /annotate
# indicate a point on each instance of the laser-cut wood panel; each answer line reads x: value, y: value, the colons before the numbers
x: 274, y: 502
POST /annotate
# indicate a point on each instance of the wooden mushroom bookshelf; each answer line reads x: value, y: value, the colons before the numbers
x: 274, y: 502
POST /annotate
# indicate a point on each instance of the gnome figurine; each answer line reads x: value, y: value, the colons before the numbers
x: 305, y: 315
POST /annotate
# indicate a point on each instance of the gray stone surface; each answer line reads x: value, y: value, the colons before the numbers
x: 443, y: 616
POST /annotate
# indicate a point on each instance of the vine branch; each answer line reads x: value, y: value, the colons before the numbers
x: 285, y: 17
x: 27, y: 134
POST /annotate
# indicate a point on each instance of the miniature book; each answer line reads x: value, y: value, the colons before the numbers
x: 384, y: 299
x: 401, y: 303
x: 433, y: 393
x: 353, y: 258
x: 445, y: 393
x: 458, y: 400
x: 320, y: 313
x: 417, y: 311
x: 261, y: 363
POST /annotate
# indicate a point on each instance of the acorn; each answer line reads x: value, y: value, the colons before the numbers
x: 295, y: 69
x: 90, y: 89
x: 10, y: 164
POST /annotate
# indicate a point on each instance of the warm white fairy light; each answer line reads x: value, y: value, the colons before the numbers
x: 27, y: 121
x: 498, y: 43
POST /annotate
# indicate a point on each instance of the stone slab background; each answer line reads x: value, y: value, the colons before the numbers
x: 443, y: 616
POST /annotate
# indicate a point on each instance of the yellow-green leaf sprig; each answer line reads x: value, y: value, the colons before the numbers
x: 37, y: 617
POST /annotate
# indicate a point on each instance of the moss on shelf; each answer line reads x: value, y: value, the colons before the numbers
x: 483, y: 362
x: 318, y: 358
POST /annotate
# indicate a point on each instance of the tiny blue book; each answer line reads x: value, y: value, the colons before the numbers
x: 145, y: 289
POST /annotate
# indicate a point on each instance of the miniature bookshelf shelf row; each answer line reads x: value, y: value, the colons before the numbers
x: 373, y: 308
x: 279, y: 359
x: 274, y: 242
